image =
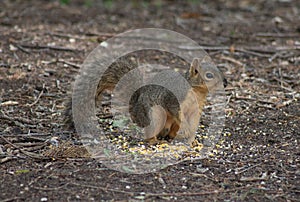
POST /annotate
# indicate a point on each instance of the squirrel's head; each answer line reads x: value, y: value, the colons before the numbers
x: 203, y: 73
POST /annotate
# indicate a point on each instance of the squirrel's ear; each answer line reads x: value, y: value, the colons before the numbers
x: 194, y: 69
x: 206, y: 59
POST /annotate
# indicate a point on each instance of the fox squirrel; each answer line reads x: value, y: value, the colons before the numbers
x: 156, y: 108
x: 166, y: 116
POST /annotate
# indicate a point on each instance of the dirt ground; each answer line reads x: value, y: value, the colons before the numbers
x: 255, y: 42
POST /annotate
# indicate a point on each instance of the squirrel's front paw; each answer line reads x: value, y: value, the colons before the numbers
x: 163, y: 133
x: 155, y: 141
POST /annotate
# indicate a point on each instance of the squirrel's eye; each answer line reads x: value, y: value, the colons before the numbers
x: 209, y: 75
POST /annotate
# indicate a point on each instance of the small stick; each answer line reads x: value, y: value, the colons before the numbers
x: 22, y: 49
x: 254, y: 99
x: 69, y: 63
x: 29, y: 144
x: 50, y: 188
x: 232, y: 60
x: 197, y: 193
x: 62, y: 61
x: 5, y: 159
x: 228, y: 100
x: 244, y: 170
x: 13, y: 119
x: 108, y: 35
x: 58, y: 48
x: 101, y: 34
x: 265, y: 106
x: 12, y: 199
x: 246, y: 49
x: 104, y: 189
x: 278, y: 35
x: 203, y: 175
x: 64, y: 35
x: 29, y: 154
x: 38, y: 98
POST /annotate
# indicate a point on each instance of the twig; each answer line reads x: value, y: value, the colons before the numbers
x: 38, y: 98
x: 283, y: 82
x: 254, y: 53
x: 251, y: 179
x: 29, y: 154
x: 34, y: 155
x: 232, y: 60
x: 13, y: 119
x: 247, y: 49
x: 65, y: 35
x: 101, y: 34
x: 29, y: 144
x: 273, y: 49
x: 22, y: 49
x: 105, y: 189
x: 62, y: 61
x: 229, y: 48
x: 253, y: 99
x: 289, y: 115
x: 58, y: 48
x: 9, y: 103
x: 69, y: 63
x: 244, y: 170
x: 107, y: 35
x: 278, y: 35
x: 50, y: 188
x: 11, y: 199
x: 27, y: 137
x: 203, y: 175
x: 285, y: 103
x: 35, y: 148
x: 265, y: 106
x: 26, y: 134
x: 228, y: 99
x: 5, y: 159
x: 197, y: 193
